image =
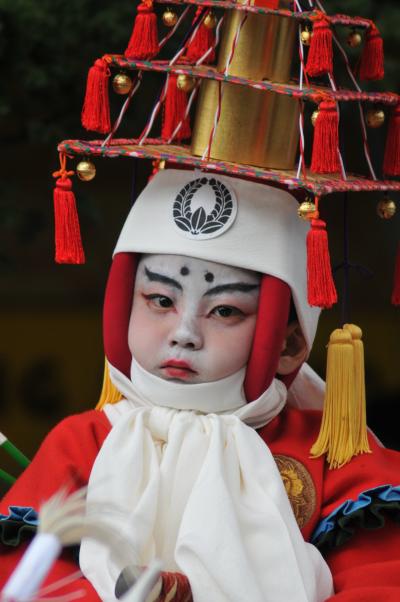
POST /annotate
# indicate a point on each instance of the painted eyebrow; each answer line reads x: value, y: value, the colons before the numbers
x: 155, y: 277
x: 241, y: 287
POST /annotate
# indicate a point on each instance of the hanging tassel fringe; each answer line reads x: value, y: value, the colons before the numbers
x: 320, y: 55
x: 143, y: 43
x: 175, y: 105
x: 361, y: 444
x: 325, y: 152
x: 391, y: 162
x: 320, y: 285
x: 336, y: 437
x: 343, y: 432
x: 396, y: 282
x: 372, y: 58
x: 96, y: 107
x: 202, y: 41
x: 67, y: 231
x: 109, y: 392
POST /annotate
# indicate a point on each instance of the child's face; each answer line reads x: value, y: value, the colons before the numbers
x: 192, y: 321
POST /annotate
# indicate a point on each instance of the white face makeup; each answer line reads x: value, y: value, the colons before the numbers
x: 192, y: 321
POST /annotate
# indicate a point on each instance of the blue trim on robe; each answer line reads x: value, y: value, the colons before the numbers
x: 25, y: 514
x: 365, y: 511
x: 19, y: 522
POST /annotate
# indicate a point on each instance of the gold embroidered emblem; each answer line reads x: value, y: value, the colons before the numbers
x: 299, y: 487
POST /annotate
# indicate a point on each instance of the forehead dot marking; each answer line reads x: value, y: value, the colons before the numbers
x: 209, y: 277
x: 184, y: 271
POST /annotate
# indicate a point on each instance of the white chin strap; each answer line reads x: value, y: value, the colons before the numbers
x: 224, y: 395
x: 201, y: 492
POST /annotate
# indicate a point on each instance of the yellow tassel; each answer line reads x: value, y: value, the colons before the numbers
x: 109, y: 392
x: 338, y: 429
x: 361, y: 442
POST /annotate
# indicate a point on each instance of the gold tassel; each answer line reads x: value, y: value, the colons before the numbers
x: 361, y: 442
x: 109, y: 392
x: 338, y: 428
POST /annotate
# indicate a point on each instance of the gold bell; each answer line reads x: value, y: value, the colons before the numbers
x: 305, y: 37
x: 354, y: 39
x: 185, y: 82
x: 306, y: 210
x: 170, y: 18
x: 122, y: 83
x: 314, y: 117
x: 386, y: 208
x: 210, y: 20
x: 375, y: 118
x: 86, y: 170
x: 158, y: 164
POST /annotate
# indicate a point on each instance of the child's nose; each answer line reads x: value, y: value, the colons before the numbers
x: 187, y: 335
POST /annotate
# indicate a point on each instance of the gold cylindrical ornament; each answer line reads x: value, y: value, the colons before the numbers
x: 170, y: 18
x: 86, y: 170
x: 122, y: 83
x: 386, y: 208
x: 210, y: 20
x: 256, y: 127
x: 375, y: 118
x: 184, y: 82
x: 264, y: 49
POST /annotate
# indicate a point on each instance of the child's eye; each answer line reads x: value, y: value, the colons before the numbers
x: 159, y: 301
x: 226, y: 311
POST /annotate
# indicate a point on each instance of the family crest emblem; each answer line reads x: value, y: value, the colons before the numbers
x: 299, y: 487
x: 204, y: 221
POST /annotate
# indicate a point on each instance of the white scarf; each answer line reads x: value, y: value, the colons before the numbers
x: 202, y: 492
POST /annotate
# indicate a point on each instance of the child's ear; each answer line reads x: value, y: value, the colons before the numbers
x: 294, y: 350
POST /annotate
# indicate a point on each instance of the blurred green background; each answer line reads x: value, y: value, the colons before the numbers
x: 51, y: 357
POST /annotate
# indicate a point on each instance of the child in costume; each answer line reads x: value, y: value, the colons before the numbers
x: 207, y: 450
x: 205, y: 462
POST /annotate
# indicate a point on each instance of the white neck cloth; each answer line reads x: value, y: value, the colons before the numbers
x: 202, y: 492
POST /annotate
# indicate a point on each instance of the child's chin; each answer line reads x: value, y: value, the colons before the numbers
x: 179, y: 380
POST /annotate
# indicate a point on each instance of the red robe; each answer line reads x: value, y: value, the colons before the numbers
x: 366, y: 567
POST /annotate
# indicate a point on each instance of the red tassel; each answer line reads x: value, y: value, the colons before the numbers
x: 320, y: 55
x: 202, y: 41
x: 372, y: 59
x: 67, y: 232
x: 320, y: 284
x: 175, y: 105
x: 396, y: 282
x: 96, y: 107
x: 143, y: 43
x: 391, y: 162
x: 325, y: 153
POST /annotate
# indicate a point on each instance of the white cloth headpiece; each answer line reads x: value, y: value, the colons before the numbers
x: 226, y: 220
